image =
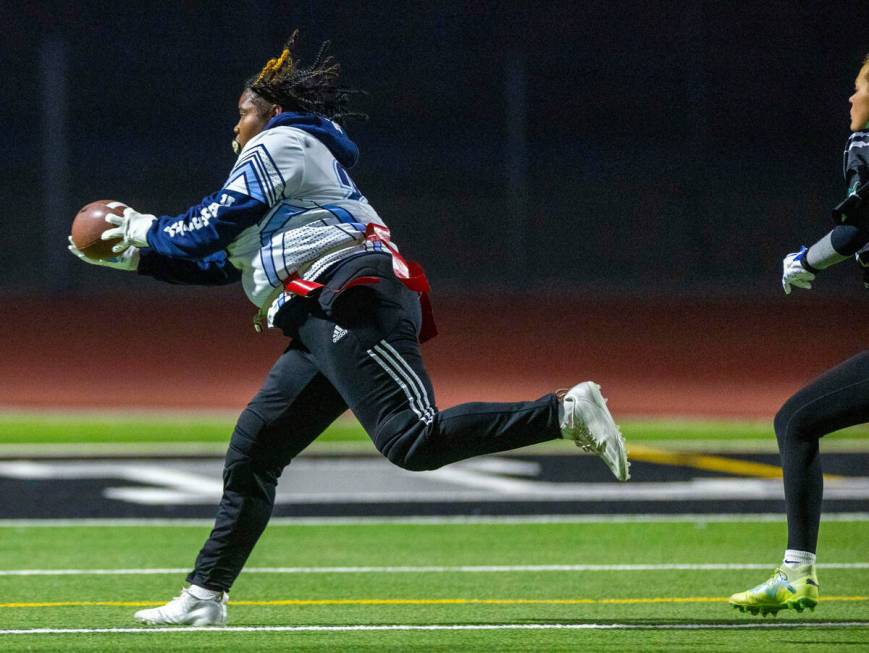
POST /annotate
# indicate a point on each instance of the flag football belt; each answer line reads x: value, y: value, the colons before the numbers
x: 409, y: 273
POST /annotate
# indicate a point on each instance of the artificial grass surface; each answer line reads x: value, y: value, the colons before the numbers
x: 117, y: 547
x: 62, y: 428
x: 703, y: 591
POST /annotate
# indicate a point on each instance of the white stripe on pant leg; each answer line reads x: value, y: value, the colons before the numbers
x: 400, y: 383
x: 421, y: 398
x: 410, y: 375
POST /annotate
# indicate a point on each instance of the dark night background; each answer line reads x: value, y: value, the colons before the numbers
x: 669, y: 146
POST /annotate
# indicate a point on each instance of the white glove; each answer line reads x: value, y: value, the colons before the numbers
x: 128, y: 260
x: 793, y: 272
x: 132, y: 228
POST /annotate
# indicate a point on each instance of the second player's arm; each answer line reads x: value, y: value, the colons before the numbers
x: 838, y: 245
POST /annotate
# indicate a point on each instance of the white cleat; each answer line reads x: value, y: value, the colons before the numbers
x: 187, y: 610
x: 587, y: 421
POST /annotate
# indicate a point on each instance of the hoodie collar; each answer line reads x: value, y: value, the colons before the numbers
x: 324, y: 130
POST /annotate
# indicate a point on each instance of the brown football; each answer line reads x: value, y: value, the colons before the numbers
x: 89, y: 225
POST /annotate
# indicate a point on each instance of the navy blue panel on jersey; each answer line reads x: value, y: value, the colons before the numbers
x: 207, y: 227
x: 344, y: 216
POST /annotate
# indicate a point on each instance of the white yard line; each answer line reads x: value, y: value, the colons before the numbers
x: 174, y: 485
x: 440, y: 627
x: 427, y: 569
x: 111, y: 522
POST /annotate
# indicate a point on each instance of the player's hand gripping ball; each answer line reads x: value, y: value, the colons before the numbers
x: 89, y: 225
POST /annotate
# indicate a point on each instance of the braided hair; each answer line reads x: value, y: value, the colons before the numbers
x: 310, y: 89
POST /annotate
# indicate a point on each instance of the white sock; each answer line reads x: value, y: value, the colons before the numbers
x: 798, y: 558
x: 204, y: 594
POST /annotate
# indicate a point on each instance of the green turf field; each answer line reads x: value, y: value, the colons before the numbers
x: 646, y: 610
x: 327, y: 588
x: 84, y: 427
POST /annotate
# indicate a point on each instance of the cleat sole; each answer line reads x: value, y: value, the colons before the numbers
x: 800, y: 605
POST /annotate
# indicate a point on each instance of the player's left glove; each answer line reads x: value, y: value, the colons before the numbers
x: 795, y: 272
x: 128, y: 260
x: 132, y: 228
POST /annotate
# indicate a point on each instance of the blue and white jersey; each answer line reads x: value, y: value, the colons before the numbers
x: 288, y: 208
x: 316, y: 217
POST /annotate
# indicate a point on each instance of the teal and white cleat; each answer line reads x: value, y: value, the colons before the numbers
x: 587, y: 421
x: 794, y: 588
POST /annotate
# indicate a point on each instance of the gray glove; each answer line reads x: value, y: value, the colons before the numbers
x: 794, y: 273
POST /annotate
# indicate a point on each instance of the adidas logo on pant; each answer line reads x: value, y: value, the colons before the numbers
x: 338, y: 333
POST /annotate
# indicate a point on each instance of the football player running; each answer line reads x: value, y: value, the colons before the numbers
x: 835, y: 400
x: 319, y: 263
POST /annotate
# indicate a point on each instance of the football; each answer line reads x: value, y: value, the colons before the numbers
x: 90, y: 223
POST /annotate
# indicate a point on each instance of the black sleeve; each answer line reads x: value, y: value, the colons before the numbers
x: 854, y: 209
x: 849, y: 239
x: 855, y: 163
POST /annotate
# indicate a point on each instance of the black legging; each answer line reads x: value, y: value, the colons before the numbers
x: 835, y: 400
x: 364, y: 356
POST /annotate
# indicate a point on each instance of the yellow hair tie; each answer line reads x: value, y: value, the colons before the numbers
x: 273, y: 66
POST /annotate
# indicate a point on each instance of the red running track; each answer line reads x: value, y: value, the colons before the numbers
x: 679, y: 357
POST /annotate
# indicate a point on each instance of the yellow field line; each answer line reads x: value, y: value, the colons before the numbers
x: 710, y: 463
x: 287, y: 602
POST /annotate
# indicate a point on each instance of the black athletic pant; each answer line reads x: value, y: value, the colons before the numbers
x: 363, y: 355
x: 835, y: 400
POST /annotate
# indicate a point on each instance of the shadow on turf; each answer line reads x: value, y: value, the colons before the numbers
x: 829, y: 642
x: 656, y: 623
